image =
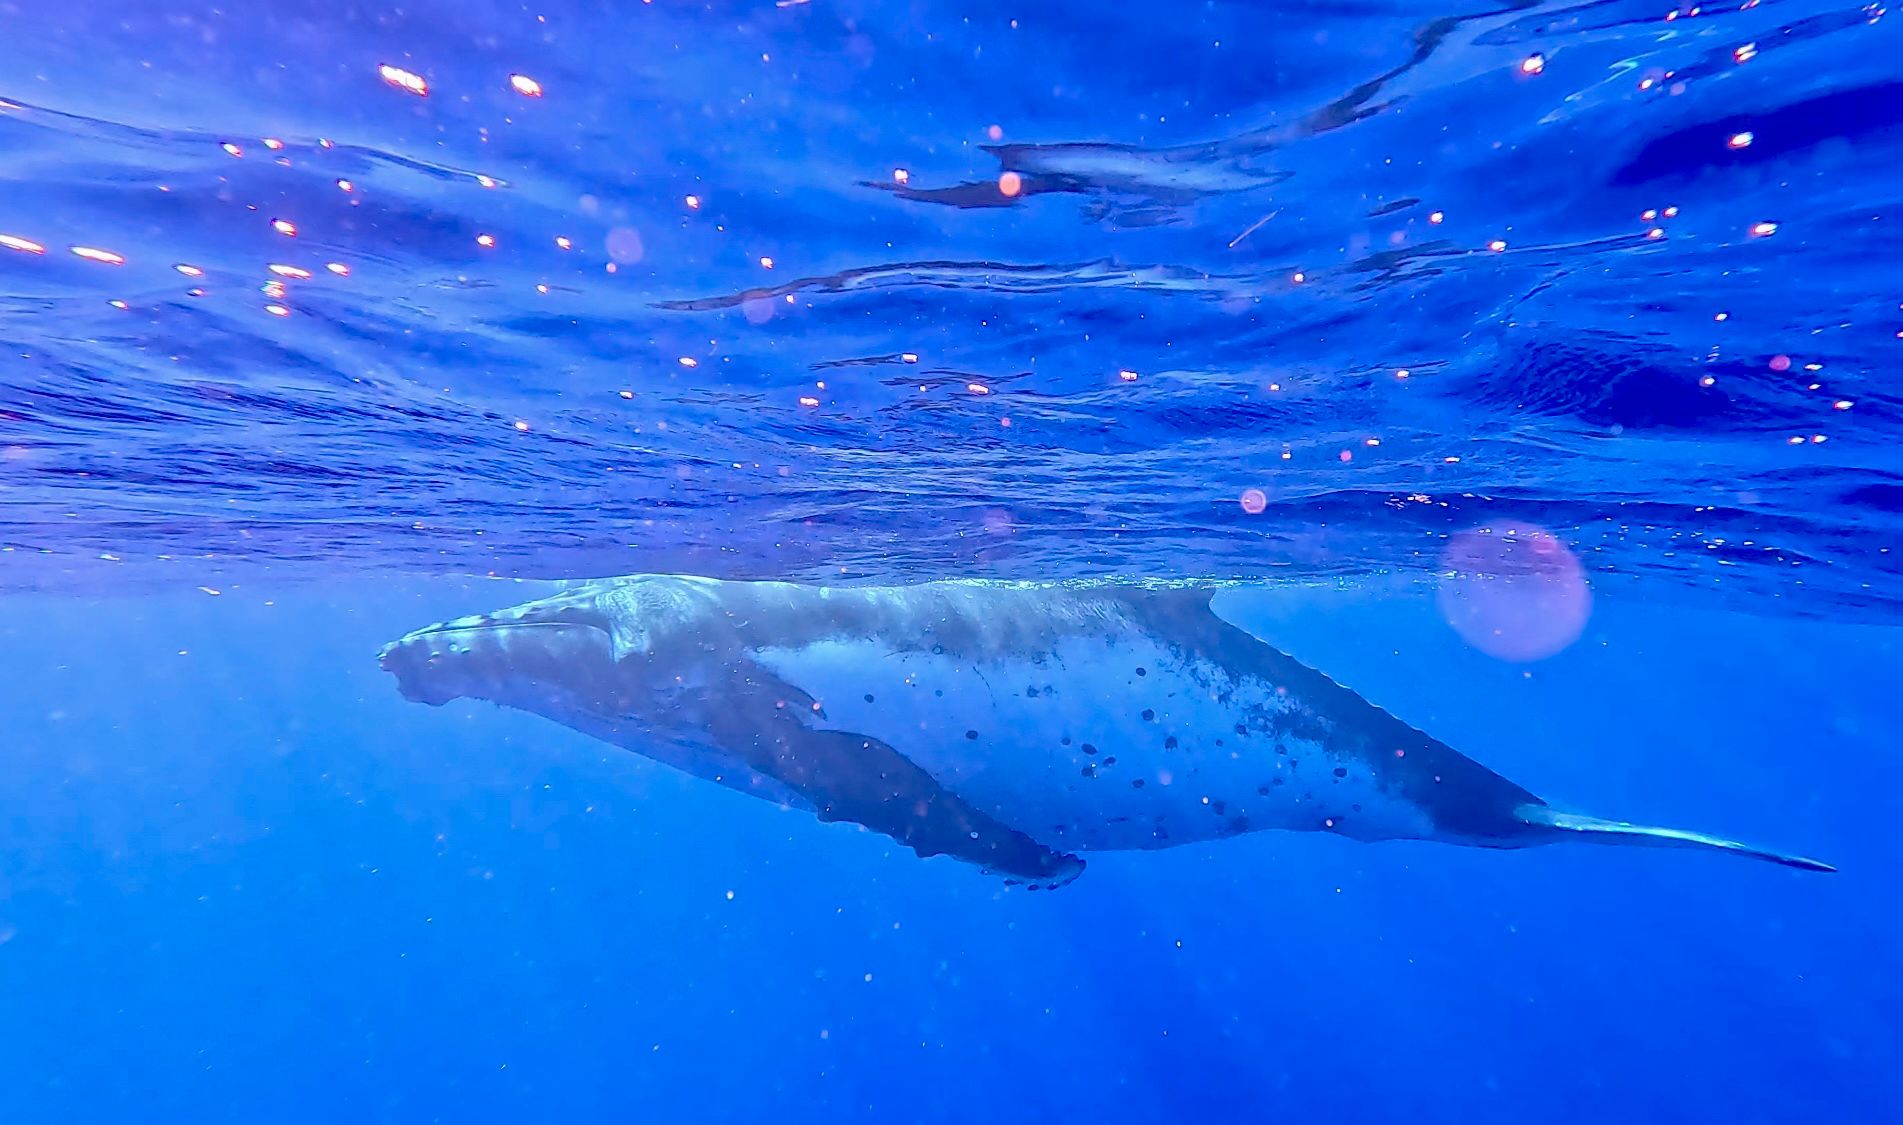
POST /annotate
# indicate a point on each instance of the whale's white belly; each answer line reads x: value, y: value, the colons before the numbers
x: 1102, y: 743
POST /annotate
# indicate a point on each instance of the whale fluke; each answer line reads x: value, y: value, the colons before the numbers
x: 1596, y: 830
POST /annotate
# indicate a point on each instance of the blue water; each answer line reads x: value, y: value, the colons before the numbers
x: 881, y: 292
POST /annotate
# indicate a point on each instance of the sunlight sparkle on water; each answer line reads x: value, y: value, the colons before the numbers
x: 526, y: 86
x: 24, y: 245
x: 404, y: 79
x: 93, y: 254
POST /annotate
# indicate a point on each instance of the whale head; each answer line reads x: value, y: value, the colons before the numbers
x: 593, y: 645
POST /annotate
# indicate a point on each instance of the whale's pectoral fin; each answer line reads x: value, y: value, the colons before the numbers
x: 855, y: 777
x: 1592, y: 828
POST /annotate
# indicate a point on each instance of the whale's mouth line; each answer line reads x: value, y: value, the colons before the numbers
x: 495, y: 628
x: 494, y: 632
x: 500, y: 626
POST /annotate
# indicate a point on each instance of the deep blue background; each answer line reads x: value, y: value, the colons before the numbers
x: 250, y: 882
x: 241, y: 879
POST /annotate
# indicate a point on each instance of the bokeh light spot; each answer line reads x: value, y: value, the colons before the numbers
x: 1514, y: 591
x: 625, y: 246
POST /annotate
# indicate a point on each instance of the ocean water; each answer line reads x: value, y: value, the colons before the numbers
x: 1535, y: 363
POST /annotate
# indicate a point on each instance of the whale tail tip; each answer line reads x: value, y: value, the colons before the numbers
x: 1594, y: 829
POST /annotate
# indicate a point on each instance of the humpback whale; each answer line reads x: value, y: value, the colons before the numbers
x: 1009, y: 725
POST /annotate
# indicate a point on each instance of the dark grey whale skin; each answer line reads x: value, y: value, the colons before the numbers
x: 665, y: 666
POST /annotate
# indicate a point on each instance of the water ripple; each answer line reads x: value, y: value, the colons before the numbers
x: 1302, y: 292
